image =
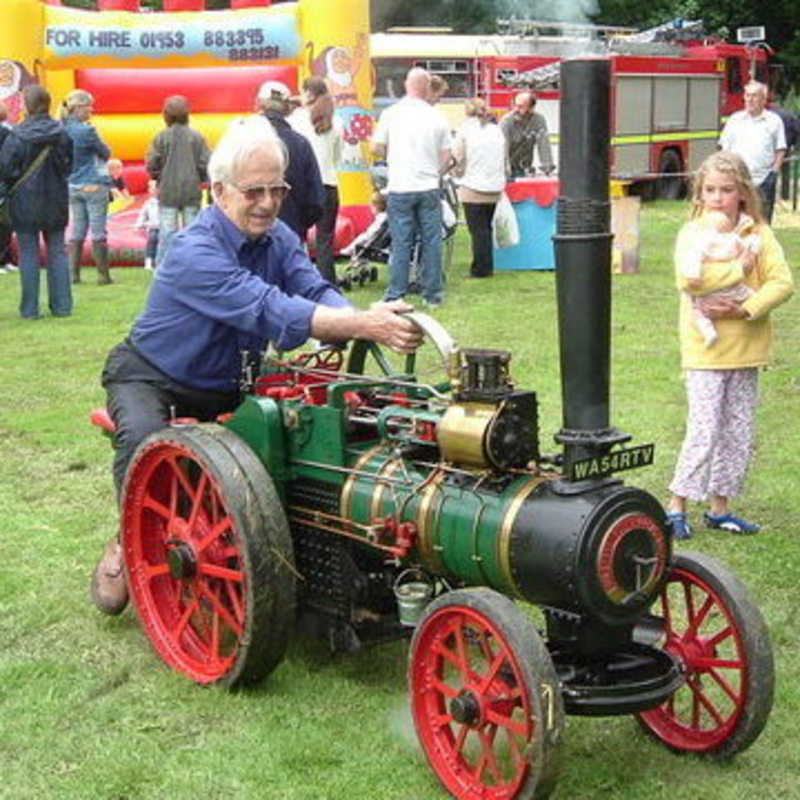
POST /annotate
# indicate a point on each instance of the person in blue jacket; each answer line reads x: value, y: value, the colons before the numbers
x: 89, y: 186
x: 235, y: 280
x: 35, y: 160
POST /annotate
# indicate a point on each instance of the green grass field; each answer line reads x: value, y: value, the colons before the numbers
x: 88, y: 711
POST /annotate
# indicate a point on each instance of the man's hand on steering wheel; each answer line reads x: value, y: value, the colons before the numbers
x: 390, y: 327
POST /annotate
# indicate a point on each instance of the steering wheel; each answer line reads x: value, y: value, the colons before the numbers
x: 362, y: 350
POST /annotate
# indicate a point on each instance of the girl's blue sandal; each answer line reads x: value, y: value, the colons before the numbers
x: 728, y: 522
x: 681, y: 529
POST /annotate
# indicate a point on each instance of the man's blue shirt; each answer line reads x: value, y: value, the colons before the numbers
x: 218, y: 294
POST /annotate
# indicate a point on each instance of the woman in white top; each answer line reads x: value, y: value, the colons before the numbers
x: 480, y: 154
x: 316, y: 121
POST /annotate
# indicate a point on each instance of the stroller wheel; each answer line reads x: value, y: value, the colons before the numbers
x: 373, y: 274
x: 345, y: 284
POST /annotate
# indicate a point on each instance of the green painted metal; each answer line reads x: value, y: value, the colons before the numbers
x: 460, y: 531
x: 315, y: 434
x: 258, y: 421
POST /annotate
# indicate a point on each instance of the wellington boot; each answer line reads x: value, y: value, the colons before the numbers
x: 74, y: 253
x: 100, y: 255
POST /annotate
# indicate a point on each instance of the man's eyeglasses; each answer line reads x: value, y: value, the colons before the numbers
x: 277, y: 191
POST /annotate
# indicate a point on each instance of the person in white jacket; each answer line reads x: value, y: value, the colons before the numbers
x: 480, y: 153
x: 148, y: 221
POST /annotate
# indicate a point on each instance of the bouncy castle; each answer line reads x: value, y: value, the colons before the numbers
x: 131, y: 59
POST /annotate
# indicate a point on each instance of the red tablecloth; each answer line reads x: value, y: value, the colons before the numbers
x: 543, y: 190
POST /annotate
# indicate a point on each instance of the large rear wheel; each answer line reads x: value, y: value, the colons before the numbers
x: 208, y: 555
x: 484, y: 697
x: 712, y: 627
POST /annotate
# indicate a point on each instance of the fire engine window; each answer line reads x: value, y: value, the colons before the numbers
x: 733, y: 69
x: 455, y: 71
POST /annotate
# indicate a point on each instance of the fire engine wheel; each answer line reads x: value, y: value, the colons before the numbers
x: 670, y: 185
x: 485, y: 697
x: 208, y: 555
x: 719, y: 636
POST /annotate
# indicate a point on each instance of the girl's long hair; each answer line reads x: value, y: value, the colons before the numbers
x: 728, y: 163
x: 476, y: 107
x: 77, y: 97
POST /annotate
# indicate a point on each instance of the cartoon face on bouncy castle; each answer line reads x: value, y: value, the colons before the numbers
x: 234, y: 49
x: 13, y: 79
x: 340, y: 67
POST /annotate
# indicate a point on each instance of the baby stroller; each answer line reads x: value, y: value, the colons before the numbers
x: 376, y: 248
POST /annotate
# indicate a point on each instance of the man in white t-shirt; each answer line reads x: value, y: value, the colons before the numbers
x: 415, y: 140
x: 758, y: 136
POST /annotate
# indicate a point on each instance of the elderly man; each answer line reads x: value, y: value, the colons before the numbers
x: 304, y: 202
x: 414, y: 138
x: 525, y: 130
x: 235, y: 280
x: 758, y: 136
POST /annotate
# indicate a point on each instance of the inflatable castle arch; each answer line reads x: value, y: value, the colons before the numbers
x: 130, y: 60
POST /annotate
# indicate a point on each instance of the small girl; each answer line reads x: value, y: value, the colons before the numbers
x: 148, y: 221
x: 723, y: 254
x: 722, y: 381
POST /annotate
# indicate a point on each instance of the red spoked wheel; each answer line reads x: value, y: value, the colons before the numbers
x: 713, y: 628
x: 208, y: 555
x: 485, y: 698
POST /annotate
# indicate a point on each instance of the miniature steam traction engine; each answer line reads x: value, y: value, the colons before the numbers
x: 371, y: 506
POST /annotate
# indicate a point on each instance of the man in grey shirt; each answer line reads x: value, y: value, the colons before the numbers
x: 524, y: 129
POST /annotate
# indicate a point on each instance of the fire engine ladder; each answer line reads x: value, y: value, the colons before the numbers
x: 573, y: 30
x: 546, y: 76
x: 676, y: 30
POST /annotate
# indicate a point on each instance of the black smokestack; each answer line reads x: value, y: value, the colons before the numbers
x: 583, y: 259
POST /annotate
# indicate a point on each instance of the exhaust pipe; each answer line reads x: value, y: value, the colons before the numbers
x: 582, y: 246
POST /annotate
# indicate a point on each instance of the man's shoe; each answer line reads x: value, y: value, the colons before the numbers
x: 728, y: 522
x: 108, y: 589
x: 681, y: 529
x: 431, y: 303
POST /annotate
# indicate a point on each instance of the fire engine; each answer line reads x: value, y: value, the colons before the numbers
x: 672, y: 86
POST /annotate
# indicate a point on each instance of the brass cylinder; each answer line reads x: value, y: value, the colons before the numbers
x: 461, y: 433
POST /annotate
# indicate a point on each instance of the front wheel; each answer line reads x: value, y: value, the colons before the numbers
x: 208, y: 555
x: 485, y: 698
x: 713, y: 628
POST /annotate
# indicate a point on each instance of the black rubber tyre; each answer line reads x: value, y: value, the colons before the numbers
x: 671, y: 185
x: 208, y: 555
x: 485, y: 698
x: 718, y: 634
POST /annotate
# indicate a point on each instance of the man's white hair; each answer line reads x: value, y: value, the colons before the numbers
x: 245, y: 136
x: 757, y: 86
